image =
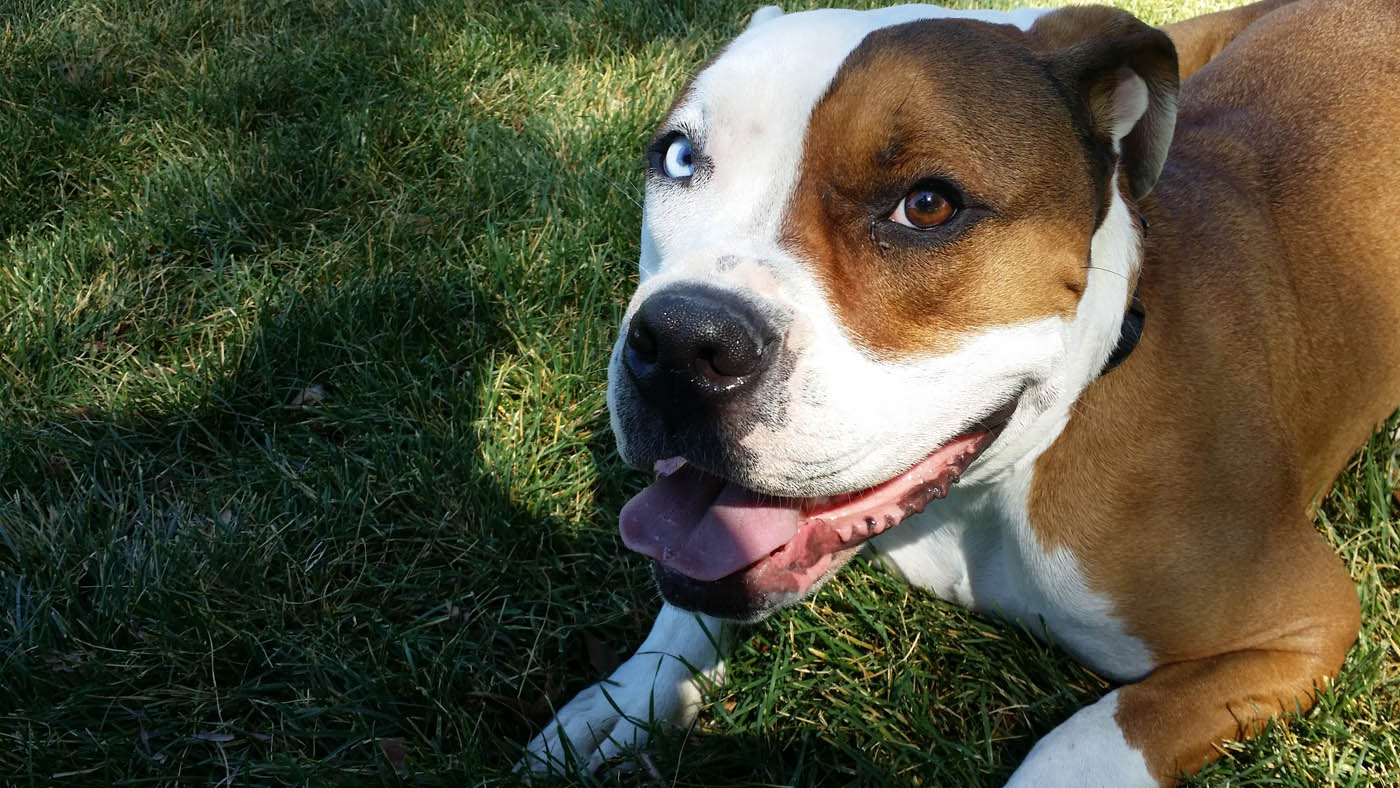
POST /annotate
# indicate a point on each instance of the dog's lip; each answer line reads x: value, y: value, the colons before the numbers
x: 829, y: 528
x: 798, y: 554
x: 993, y: 424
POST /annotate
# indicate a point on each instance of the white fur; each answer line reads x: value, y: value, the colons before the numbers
x: 1129, y: 100
x: 661, y: 683
x: 764, y: 14
x: 976, y: 548
x: 1086, y: 751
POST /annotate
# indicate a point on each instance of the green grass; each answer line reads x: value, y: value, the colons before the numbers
x: 305, y: 474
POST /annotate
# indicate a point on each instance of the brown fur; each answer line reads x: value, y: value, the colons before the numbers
x: 880, y: 129
x: 1272, y: 350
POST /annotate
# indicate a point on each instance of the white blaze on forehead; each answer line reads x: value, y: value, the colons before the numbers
x: 747, y: 115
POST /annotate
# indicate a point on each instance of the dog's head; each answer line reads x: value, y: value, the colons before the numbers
x: 878, y: 247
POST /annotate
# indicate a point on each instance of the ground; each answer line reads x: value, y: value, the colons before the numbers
x: 305, y: 474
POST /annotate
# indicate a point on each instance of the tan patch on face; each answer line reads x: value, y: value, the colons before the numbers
x: 962, y: 104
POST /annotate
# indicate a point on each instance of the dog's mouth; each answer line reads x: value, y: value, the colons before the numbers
x: 708, y: 528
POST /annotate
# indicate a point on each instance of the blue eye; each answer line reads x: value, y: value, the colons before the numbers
x: 678, y: 162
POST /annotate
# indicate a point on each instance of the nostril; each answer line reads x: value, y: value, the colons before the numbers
x: 728, y: 361
x: 706, y: 365
x: 642, y: 341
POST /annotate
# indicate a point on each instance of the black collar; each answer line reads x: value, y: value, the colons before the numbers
x: 1133, y: 320
x: 1129, y: 334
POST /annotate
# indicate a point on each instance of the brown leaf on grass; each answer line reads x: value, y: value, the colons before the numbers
x: 536, y: 712
x: 57, y: 466
x: 214, y: 736
x: 73, y: 73
x: 601, y: 658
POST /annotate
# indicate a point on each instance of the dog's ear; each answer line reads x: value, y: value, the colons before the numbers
x: 1122, y: 76
x: 763, y: 15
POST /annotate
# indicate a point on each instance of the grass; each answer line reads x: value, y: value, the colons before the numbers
x: 305, y: 474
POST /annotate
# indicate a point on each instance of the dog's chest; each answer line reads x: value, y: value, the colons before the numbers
x: 977, y: 548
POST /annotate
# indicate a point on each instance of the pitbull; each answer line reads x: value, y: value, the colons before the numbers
x: 1054, y: 332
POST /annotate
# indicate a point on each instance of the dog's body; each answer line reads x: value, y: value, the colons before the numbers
x: 881, y: 256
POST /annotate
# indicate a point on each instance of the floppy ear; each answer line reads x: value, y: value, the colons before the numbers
x: 1121, y: 76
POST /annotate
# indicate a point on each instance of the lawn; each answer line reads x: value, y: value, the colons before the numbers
x: 305, y: 473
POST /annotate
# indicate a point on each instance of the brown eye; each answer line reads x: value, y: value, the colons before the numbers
x: 923, y: 209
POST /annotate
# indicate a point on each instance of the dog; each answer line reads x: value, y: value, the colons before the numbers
x: 1060, y: 325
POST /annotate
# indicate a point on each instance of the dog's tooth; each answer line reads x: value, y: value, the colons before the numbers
x: 668, y: 466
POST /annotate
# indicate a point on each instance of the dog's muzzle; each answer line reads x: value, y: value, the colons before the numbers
x: 691, y: 348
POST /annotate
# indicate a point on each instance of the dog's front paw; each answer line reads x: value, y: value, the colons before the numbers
x: 1086, y: 751
x: 659, y: 685
x: 603, y: 724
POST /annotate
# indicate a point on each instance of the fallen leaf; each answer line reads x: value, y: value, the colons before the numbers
x: 533, y: 712
x: 600, y: 657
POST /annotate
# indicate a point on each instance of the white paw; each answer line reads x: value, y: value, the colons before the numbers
x: 595, y: 727
x: 1086, y: 751
x: 610, y: 721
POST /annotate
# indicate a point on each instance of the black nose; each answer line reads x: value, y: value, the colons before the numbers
x: 689, y: 345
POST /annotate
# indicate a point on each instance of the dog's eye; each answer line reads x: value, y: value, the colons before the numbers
x: 923, y: 209
x: 678, y: 163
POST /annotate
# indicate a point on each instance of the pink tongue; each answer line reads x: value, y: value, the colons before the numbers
x: 704, y: 527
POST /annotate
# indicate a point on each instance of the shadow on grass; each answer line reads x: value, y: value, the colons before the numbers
x: 300, y: 557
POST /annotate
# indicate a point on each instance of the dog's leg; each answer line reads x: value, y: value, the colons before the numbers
x: 1147, y: 734
x: 1150, y: 733
x: 661, y: 683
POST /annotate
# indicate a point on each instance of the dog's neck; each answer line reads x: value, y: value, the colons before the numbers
x: 1105, y: 329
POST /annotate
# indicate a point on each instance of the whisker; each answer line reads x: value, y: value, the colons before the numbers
x: 1110, y: 270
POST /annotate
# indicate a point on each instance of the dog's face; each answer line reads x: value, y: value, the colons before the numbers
x: 878, y: 256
